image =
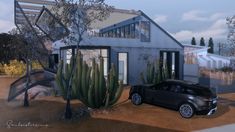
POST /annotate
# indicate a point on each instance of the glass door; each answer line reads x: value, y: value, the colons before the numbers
x: 123, y: 67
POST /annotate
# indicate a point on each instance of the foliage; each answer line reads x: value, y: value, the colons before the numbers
x: 211, y: 46
x: 14, y: 68
x: 36, y: 65
x: 193, y: 42
x: 89, y: 84
x: 202, y: 42
x: 11, y: 47
x: 17, y: 68
x: 226, y: 69
x: 79, y: 15
x: 2, y: 69
x: 231, y: 36
x: 153, y: 73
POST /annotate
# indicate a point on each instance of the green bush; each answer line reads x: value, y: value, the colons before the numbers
x: 17, y: 68
x: 36, y: 65
x: 226, y: 69
x: 2, y: 69
x: 14, y: 68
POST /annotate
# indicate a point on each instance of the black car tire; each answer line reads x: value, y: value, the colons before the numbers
x: 186, y: 110
x: 136, y: 99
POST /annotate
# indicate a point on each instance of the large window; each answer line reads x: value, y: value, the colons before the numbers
x: 88, y: 55
x: 123, y: 67
x: 137, y: 30
x: 145, y: 31
x: 132, y: 30
x: 127, y: 31
x: 68, y: 55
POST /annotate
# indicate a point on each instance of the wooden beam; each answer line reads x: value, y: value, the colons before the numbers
x: 40, y: 2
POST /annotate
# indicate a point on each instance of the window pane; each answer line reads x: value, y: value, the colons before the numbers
x: 145, y: 31
x: 119, y: 32
x: 122, y: 32
x: 122, y: 67
x: 132, y: 30
x: 104, y: 53
x: 137, y: 30
x: 127, y: 31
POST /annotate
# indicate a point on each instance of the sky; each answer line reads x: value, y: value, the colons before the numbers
x: 181, y: 18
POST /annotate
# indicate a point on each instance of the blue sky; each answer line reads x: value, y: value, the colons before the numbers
x: 182, y: 18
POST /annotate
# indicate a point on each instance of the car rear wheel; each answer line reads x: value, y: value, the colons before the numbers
x: 136, y: 99
x: 186, y: 110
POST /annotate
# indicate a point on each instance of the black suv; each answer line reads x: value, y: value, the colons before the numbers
x: 186, y: 97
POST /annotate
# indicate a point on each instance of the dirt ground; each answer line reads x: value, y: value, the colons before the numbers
x: 48, y: 111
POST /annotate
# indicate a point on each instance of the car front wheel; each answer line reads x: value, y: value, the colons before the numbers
x: 136, y: 99
x: 186, y: 110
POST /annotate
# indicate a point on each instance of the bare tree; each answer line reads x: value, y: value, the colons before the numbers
x: 78, y: 15
x: 231, y: 34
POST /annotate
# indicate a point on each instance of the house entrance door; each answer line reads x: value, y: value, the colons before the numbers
x: 170, y: 61
x: 123, y: 67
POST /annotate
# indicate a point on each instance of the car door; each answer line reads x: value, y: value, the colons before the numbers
x: 169, y: 95
x: 161, y: 93
x: 149, y: 94
x: 175, y: 95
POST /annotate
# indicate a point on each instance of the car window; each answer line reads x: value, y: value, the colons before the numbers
x: 203, y: 92
x: 163, y: 87
x: 190, y: 91
x: 175, y: 89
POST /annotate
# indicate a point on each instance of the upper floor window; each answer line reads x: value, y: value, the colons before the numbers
x: 132, y: 30
x: 145, y: 31
x: 136, y: 30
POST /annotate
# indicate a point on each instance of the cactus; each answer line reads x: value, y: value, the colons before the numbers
x: 89, y: 84
x: 153, y: 74
x: 62, y: 78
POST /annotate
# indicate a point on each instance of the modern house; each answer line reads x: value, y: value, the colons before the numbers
x: 129, y: 39
x: 199, y: 55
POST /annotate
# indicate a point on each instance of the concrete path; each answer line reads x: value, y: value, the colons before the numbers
x: 225, y: 128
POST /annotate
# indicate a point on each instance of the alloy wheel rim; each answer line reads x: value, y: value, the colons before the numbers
x: 136, y: 98
x: 186, y: 110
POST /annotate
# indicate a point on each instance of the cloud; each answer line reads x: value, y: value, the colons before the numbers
x: 6, y: 15
x: 160, y: 18
x: 218, y: 30
x: 5, y: 26
x: 198, y: 15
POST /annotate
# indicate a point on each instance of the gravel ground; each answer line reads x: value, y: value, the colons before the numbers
x: 46, y: 114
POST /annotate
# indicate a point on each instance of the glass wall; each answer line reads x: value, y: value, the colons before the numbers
x: 134, y: 30
x: 127, y: 31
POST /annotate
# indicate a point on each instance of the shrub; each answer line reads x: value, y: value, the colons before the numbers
x: 36, y: 65
x: 226, y: 69
x: 14, y: 68
x: 2, y: 69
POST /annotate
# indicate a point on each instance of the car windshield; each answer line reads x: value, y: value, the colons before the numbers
x: 204, y: 91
